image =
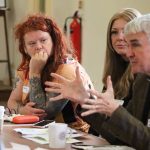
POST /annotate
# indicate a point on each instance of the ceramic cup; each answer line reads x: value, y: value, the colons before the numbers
x: 57, y: 135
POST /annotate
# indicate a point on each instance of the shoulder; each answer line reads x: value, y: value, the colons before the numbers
x: 20, y: 74
x: 67, y: 70
x: 68, y: 67
x: 141, y: 80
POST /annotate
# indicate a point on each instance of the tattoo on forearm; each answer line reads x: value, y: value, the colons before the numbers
x: 16, y: 82
x: 37, y: 94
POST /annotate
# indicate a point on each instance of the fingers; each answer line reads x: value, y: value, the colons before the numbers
x: 31, y: 104
x: 42, y: 115
x: 109, y: 84
x: 41, y: 56
x: 58, y: 77
x: 99, y: 109
x: 53, y: 90
x: 53, y: 87
x: 59, y: 97
x: 90, y: 101
x: 78, y: 76
x: 38, y: 111
x: 42, y: 53
x: 94, y: 104
x: 53, y: 84
x: 89, y: 107
x: 94, y: 92
x: 89, y: 112
x: 30, y: 110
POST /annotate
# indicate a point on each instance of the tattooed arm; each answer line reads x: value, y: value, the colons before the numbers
x: 37, y: 94
x: 40, y: 98
x: 15, y: 101
x: 15, y: 97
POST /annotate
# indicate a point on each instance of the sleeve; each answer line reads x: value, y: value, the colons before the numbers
x: 129, y: 129
x: 126, y: 126
x: 121, y: 128
x: 54, y: 107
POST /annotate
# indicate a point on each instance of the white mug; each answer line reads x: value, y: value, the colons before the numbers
x: 1, y: 118
x: 57, y: 135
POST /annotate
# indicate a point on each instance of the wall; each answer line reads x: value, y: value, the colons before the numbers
x: 18, y: 9
x: 96, y: 14
x: 96, y: 17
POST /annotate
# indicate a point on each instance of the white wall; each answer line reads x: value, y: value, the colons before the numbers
x: 96, y: 14
x: 18, y: 9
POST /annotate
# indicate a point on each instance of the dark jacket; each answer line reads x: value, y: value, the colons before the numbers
x: 128, y: 125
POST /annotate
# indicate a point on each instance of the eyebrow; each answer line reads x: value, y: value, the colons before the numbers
x: 134, y: 40
x: 115, y: 29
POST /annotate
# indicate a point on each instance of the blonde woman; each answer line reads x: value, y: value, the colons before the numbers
x: 116, y: 63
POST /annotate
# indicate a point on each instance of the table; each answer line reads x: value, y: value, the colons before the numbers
x: 12, y: 140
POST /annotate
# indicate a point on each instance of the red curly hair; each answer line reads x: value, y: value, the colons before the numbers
x: 60, y: 46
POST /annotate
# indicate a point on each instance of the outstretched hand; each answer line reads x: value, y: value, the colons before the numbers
x: 73, y: 90
x: 104, y: 103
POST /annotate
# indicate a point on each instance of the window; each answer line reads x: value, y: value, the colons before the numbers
x: 2, y: 3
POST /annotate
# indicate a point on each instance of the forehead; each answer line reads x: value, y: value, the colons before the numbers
x: 32, y: 35
x: 119, y: 23
x: 139, y: 37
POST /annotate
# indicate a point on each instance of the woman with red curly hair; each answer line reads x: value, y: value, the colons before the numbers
x: 44, y: 49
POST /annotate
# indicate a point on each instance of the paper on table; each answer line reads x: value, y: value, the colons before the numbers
x: 40, y: 130
x: 41, y: 139
x: 113, y: 147
x: 32, y: 131
x: 70, y: 130
x: 16, y: 146
x: 107, y: 147
x: 41, y: 135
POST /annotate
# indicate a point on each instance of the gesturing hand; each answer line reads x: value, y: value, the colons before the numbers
x: 104, y: 103
x: 73, y: 90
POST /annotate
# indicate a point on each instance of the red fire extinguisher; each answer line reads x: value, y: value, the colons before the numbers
x: 75, y: 33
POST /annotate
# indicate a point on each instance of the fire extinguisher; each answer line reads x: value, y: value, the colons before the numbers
x: 75, y: 33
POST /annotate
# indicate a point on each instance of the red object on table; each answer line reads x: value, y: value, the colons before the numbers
x: 25, y: 119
